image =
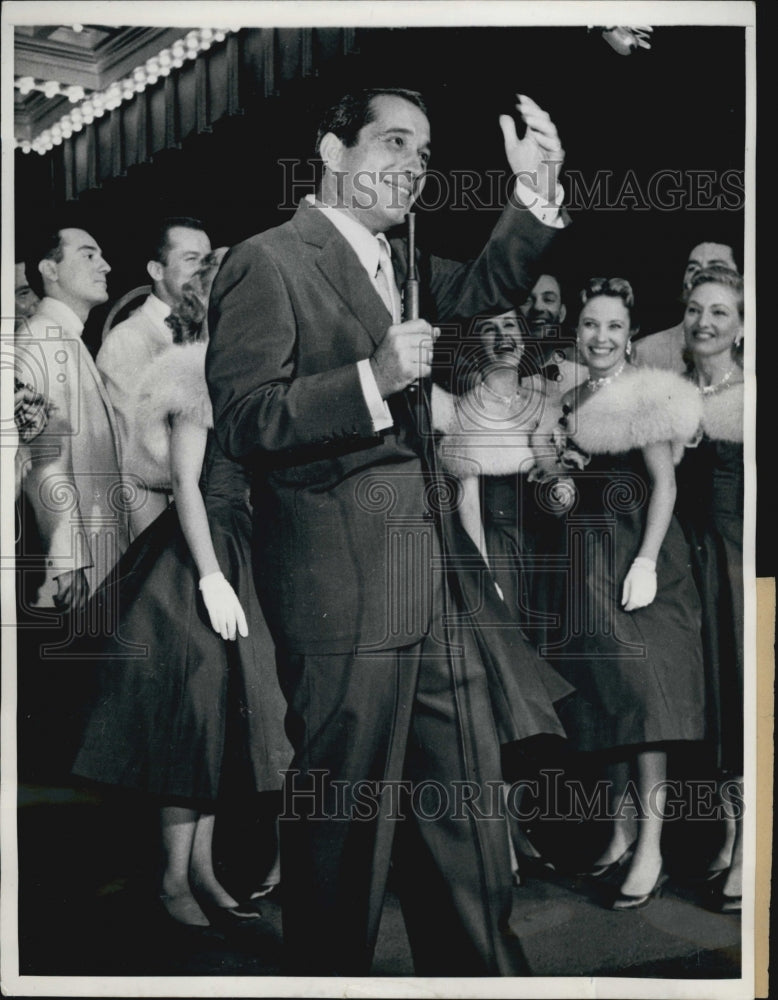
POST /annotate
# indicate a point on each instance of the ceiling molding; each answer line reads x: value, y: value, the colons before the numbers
x: 48, y: 53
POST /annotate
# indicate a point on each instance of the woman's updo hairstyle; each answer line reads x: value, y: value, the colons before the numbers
x: 615, y: 288
x: 718, y: 274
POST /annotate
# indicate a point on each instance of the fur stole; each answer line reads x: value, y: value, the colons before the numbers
x: 173, y: 385
x: 722, y: 414
x: 482, y: 437
x: 641, y: 407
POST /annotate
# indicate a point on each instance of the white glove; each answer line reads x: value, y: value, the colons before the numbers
x: 639, y: 584
x: 223, y: 606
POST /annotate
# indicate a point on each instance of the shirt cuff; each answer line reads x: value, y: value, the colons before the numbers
x: 544, y: 211
x: 379, y: 411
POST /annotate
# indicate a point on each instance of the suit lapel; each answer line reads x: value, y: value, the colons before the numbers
x: 342, y: 269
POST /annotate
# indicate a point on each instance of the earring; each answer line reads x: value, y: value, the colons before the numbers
x: 628, y: 349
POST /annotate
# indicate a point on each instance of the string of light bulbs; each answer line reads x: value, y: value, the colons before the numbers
x: 96, y: 104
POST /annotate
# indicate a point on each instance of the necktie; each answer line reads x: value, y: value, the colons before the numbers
x: 385, y: 283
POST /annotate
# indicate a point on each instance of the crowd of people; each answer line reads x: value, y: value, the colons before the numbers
x: 368, y: 573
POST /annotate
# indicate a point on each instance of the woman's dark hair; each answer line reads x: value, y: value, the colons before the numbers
x: 353, y: 111
x: 615, y: 288
x: 187, y: 320
x: 717, y: 274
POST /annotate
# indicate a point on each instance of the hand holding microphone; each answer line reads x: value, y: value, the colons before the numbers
x: 405, y: 354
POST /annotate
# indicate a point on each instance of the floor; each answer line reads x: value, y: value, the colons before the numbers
x: 87, y: 907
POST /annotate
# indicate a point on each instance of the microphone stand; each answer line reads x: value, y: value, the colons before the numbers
x: 411, y: 286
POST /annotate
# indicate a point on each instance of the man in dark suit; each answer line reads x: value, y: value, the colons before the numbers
x: 321, y: 387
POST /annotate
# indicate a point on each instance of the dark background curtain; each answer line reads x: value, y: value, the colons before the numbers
x: 219, y: 140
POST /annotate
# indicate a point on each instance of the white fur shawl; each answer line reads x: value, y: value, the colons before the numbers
x: 172, y: 385
x: 478, y: 440
x: 641, y: 407
x: 722, y: 414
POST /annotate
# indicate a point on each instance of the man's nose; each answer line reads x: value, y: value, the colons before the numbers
x: 414, y: 165
x: 104, y: 266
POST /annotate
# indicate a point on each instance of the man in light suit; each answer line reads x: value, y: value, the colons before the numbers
x: 180, y: 246
x: 71, y: 469
x: 665, y: 349
x: 322, y: 388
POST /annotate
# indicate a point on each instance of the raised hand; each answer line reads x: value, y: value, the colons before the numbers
x: 537, y: 158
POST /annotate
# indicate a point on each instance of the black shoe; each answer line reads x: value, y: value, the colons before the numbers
x: 602, y: 871
x: 718, y: 900
x: 230, y: 916
x: 535, y: 866
x: 708, y: 877
x: 625, y: 902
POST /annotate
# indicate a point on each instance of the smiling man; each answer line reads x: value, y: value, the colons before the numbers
x: 321, y: 386
x: 71, y: 470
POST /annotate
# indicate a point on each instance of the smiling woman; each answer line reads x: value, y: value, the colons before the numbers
x: 710, y: 503
x: 629, y: 631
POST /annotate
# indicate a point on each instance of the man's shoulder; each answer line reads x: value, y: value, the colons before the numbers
x: 663, y: 349
x: 139, y: 319
x: 671, y: 335
x: 139, y: 333
x: 43, y: 327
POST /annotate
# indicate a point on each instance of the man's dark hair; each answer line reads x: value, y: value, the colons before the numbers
x: 723, y: 239
x: 161, y: 243
x: 353, y: 111
x: 43, y: 245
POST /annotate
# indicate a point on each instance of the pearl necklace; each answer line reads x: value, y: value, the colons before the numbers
x: 708, y: 390
x: 505, y: 400
x: 593, y: 384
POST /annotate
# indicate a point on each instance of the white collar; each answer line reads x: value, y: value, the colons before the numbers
x: 156, y: 309
x: 360, y: 239
x: 58, y: 310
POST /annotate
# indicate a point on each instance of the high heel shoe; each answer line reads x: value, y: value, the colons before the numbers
x: 623, y: 901
x: 230, y: 916
x: 602, y: 871
x: 718, y: 900
x: 534, y: 864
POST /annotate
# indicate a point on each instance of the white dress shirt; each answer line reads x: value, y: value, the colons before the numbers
x: 366, y: 246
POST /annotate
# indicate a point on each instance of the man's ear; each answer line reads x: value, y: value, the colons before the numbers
x: 330, y: 149
x: 562, y: 313
x: 155, y: 270
x: 48, y: 269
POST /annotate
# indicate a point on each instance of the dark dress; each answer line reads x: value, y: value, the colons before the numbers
x: 710, y: 507
x: 638, y: 675
x: 164, y: 707
x: 525, y: 691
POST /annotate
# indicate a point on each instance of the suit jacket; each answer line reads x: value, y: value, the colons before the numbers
x: 662, y: 350
x: 71, y: 475
x: 127, y: 353
x: 342, y: 518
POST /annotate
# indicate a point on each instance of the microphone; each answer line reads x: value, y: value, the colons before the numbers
x: 411, y: 286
